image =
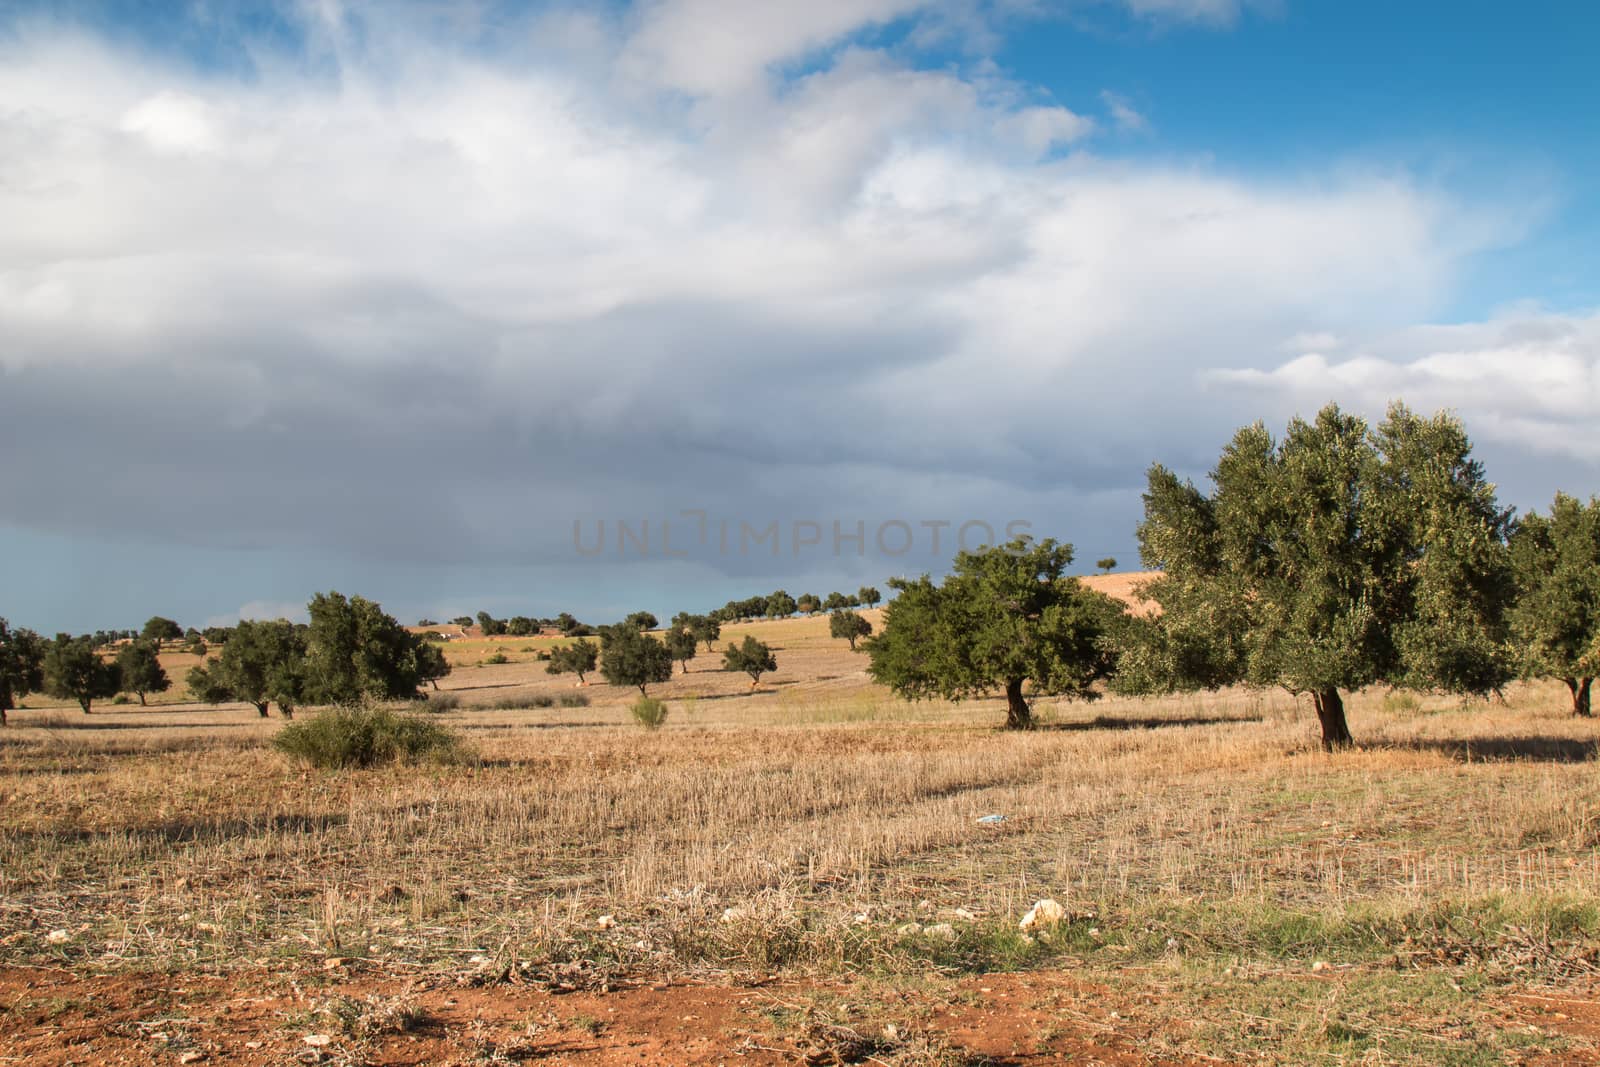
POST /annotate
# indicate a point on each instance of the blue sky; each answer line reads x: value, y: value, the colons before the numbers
x: 386, y: 298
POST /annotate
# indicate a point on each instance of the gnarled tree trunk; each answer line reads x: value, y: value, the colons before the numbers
x: 1330, y: 712
x: 1580, y: 695
x: 1018, y: 717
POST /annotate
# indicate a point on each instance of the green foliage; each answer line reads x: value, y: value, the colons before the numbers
x: 808, y: 604
x: 753, y: 657
x: 706, y: 629
x: 643, y: 620
x: 262, y: 663
x: 649, y: 712
x: 139, y: 670
x: 158, y: 630
x: 1006, y: 617
x: 835, y: 602
x: 1107, y: 565
x: 849, y: 626
x: 462, y: 620
x: 490, y: 626
x: 573, y: 700
x: 869, y: 596
x: 1334, y: 559
x: 629, y: 657
x: 21, y: 666
x: 521, y: 626
x: 430, y: 662
x: 1555, y: 622
x: 366, y: 736
x: 494, y: 659
x: 73, y: 670
x: 355, y: 652
x: 577, y: 658
x: 681, y: 644
x: 566, y: 623
x: 780, y: 605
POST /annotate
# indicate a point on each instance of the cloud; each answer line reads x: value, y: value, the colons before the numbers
x: 409, y: 300
x: 1526, y: 378
x: 1215, y: 12
x: 1123, y: 113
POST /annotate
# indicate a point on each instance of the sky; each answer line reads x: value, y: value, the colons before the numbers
x: 544, y: 307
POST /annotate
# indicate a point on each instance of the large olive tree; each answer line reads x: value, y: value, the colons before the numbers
x: 1008, y: 617
x: 1555, y: 624
x: 1336, y: 558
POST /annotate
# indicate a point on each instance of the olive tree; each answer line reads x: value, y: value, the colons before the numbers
x: 849, y: 626
x: 753, y: 657
x: 355, y: 651
x: 1336, y: 558
x: 262, y: 663
x: 629, y: 656
x: 578, y: 658
x: 681, y: 643
x: 21, y: 666
x: 158, y: 629
x: 139, y: 670
x: 1006, y: 618
x: 1555, y: 623
x: 73, y: 670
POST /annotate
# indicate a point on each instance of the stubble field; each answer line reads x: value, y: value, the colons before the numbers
x: 798, y: 875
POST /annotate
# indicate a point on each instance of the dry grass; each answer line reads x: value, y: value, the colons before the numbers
x: 1186, y: 833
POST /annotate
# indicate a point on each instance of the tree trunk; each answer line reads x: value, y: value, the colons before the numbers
x: 261, y: 708
x: 286, y: 711
x: 84, y: 704
x: 142, y: 704
x: 1580, y: 695
x: 1018, y: 717
x: 1330, y: 712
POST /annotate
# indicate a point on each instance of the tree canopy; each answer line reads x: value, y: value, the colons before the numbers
x: 355, y: 651
x: 1555, y: 622
x: 261, y: 663
x: 753, y: 657
x: 1336, y: 558
x: 1007, y: 617
x: 849, y: 626
x: 21, y: 666
x: 158, y: 629
x: 577, y: 658
x: 681, y: 643
x: 630, y: 657
x: 73, y: 670
x: 139, y: 670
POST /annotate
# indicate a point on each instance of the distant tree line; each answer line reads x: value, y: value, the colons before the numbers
x: 1337, y: 557
x: 350, y: 651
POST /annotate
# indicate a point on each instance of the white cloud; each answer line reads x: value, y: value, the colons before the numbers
x: 434, y: 303
x: 1123, y: 113
x: 712, y: 47
x: 1528, y: 379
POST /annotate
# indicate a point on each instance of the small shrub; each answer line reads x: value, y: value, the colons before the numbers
x: 366, y: 737
x: 649, y: 712
x: 1398, y: 701
x: 574, y: 700
x: 121, y: 698
x: 441, y: 702
x: 497, y: 659
x: 544, y: 655
x: 541, y: 700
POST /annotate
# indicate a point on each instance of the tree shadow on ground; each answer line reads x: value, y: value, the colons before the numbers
x: 1147, y: 722
x: 194, y: 831
x: 1532, y: 748
x: 94, y: 722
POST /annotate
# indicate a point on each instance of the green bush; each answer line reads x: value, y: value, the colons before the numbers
x: 1400, y: 701
x: 649, y: 712
x: 366, y: 737
x: 574, y: 700
x: 497, y: 658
